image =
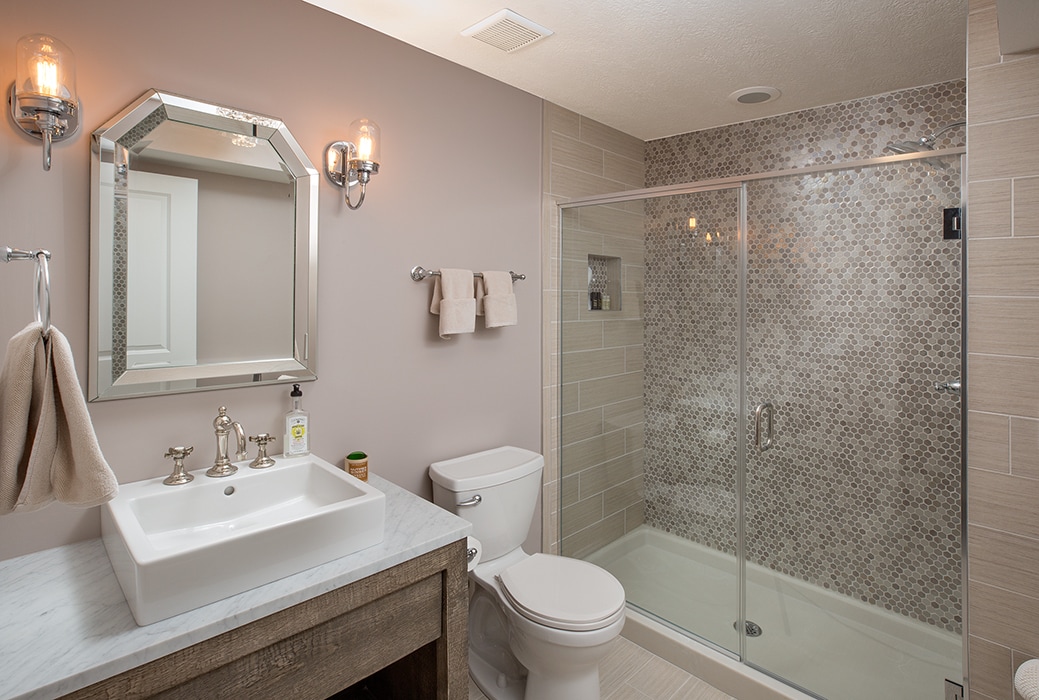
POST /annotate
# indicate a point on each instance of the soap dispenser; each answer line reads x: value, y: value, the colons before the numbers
x: 297, y: 426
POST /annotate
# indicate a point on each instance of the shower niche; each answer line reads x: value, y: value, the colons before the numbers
x: 604, y: 283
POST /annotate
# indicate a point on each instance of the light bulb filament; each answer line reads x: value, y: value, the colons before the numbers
x: 47, y: 77
x: 364, y: 149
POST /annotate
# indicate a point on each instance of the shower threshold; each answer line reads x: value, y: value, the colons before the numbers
x: 832, y: 645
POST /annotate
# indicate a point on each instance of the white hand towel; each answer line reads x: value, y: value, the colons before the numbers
x: 453, y: 300
x: 48, y: 449
x: 499, y: 304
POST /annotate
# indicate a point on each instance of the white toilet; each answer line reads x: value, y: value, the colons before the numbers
x: 538, y: 623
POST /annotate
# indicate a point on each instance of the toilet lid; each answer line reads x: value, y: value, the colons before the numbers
x: 563, y: 593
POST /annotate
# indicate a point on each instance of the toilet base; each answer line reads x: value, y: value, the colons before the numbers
x: 497, y: 686
x: 492, y: 683
x: 560, y: 672
x: 513, y: 658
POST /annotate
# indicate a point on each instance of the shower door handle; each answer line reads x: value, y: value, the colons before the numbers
x: 765, y: 412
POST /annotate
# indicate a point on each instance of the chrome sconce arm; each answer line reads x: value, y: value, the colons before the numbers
x: 349, y: 163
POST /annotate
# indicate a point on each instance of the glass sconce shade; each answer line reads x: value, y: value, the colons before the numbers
x: 368, y: 141
x: 46, y: 68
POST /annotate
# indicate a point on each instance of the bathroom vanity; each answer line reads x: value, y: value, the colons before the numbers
x: 394, y: 613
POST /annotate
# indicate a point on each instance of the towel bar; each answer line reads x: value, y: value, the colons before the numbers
x: 42, y: 286
x: 18, y: 254
x: 419, y: 273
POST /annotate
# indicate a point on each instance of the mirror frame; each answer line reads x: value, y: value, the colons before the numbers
x: 110, y: 145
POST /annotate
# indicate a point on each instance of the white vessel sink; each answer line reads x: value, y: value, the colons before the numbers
x: 177, y: 548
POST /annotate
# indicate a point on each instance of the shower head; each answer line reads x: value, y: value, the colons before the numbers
x: 924, y: 144
x: 909, y: 147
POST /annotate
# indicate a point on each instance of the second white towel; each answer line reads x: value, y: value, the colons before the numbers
x: 498, y: 300
x: 454, y: 301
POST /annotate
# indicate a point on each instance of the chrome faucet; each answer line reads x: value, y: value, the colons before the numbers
x: 223, y: 425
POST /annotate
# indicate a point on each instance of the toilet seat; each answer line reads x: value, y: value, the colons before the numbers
x: 563, y: 593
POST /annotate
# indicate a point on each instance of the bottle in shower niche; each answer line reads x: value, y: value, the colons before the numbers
x: 297, y: 426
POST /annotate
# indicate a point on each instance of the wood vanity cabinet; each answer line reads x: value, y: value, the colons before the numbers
x: 404, y: 629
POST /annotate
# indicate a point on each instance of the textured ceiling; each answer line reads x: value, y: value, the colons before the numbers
x: 656, y: 68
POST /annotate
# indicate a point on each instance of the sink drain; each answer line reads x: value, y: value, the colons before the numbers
x: 752, y: 629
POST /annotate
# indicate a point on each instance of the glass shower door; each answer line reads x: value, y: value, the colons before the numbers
x: 649, y: 411
x: 692, y: 399
x: 852, y: 512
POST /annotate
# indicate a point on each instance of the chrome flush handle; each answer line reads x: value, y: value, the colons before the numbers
x: 474, y: 501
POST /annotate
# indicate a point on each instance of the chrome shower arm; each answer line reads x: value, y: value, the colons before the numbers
x: 934, y: 137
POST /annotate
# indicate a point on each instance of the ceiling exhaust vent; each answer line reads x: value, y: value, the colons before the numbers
x: 507, y: 31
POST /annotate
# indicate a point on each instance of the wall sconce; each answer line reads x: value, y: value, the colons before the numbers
x: 349, y: 163
x: 43, y: 97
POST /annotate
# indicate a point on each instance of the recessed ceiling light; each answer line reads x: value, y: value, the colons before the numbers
x: 755, y: 95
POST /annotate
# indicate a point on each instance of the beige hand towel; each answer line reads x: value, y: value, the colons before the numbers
x: 453, y: 300
x: 48, y: 449
x: 499, y: 303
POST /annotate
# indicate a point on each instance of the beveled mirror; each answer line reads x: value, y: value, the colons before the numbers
x: 203, y: 251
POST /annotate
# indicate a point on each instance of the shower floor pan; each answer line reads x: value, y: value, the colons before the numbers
x: 832, y: 645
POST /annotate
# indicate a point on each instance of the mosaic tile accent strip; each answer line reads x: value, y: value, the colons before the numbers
x: 145, y: 127
x: 120, y: 268
x: 120, y: 236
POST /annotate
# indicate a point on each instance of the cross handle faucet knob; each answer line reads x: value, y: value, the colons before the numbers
x: 262, y: 460
x: 179, y: 475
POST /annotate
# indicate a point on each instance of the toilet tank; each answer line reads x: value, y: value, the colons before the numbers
x: 507, y: 480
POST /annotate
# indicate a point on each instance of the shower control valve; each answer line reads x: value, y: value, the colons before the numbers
x: 950, y: 387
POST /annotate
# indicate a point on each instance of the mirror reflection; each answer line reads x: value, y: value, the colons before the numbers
x: 203, y: 251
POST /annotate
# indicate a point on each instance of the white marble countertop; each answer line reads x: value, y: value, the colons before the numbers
x: 64, y: 623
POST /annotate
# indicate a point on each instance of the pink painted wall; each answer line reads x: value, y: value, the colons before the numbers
x: 387, y: 384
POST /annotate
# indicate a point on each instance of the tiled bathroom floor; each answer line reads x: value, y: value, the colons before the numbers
x: 629, y: 672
